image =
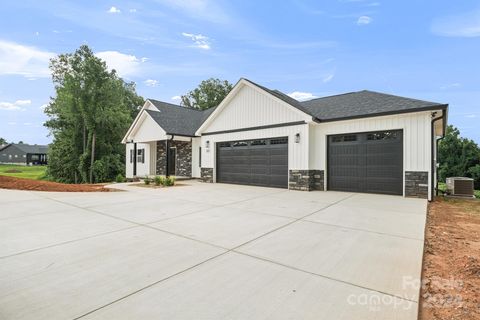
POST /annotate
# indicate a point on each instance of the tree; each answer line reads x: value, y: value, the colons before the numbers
x: 3, y: 141
x: 208, y: 94
x: 458, y: 157
x: 88, y: 117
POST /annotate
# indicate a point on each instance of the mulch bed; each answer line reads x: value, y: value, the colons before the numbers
x: 451, y: 266
x: 40, y: 185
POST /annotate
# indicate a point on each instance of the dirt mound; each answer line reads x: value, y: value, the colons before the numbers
x: 39, y: 185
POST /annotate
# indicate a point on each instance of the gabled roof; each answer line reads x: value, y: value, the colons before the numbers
x: 27, y: 148
x: 365, y: 104
x: 178, y: 120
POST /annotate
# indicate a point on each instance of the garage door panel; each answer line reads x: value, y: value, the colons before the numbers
x: 261, y: 162
x: 366, y: 162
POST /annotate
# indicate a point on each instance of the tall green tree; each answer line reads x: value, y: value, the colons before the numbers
x: 3, y: 141
x: 208, y: 94
x: 458, y: 157
x: 88, y: 117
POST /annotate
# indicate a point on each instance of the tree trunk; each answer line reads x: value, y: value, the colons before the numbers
x: 92, y: 157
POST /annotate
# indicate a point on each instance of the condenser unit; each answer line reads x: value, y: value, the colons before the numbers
x: 460, y: 186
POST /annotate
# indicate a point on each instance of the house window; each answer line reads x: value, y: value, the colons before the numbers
x: 9, y: 156
x: 386, y: 135
x: 24, y: 155
x: 16, y: 156
x: 141, y: 155
x: 200, y: 156
x: 224, y: 144
x: 35, y: 157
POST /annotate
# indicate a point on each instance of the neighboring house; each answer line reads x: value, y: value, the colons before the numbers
x: 359, y: 142
x: 24, y: 154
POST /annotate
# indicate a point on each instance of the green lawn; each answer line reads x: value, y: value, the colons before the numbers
x: 29, y: 172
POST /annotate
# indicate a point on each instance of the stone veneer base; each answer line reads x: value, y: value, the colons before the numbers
x: 306, y: 180
x: 416, y: 184
x: 206, y: 175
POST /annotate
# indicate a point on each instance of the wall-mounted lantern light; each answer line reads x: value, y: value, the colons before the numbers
x: 297, y: 138
x: 207, y: 144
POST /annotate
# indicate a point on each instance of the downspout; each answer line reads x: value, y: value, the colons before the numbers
x: 134, y: 159
x: 434, y: 154
x: 436, y: 166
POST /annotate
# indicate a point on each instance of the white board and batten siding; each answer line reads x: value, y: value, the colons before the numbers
x: 250, y: 108
x: 143, y: 169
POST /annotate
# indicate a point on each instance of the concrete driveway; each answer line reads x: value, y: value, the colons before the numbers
x: 209, y: 251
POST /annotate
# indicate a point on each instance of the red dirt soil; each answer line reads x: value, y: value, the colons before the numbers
x: 451, y: 264
x: 40, y: 185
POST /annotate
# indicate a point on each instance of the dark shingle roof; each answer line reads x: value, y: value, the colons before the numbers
x: 28, y: 148
x: 178, y: 120
x: 364, y: 104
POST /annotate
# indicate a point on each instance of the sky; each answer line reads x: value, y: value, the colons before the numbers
x: 427, y: 50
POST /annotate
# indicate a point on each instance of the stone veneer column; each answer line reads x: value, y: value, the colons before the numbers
x: 416, y: 184
x: 206, y: 175
x: 306, y: 180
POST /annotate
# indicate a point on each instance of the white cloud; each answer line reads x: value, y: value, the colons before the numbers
x: 464, y: 25
x: 471, y: 116
x: 328, y: 78
x: 151, y: 83
x: 364, y: 20
x: 27, y: 123
x: 298, y: 95
x: 17, y: 105
x: 200, y: 41
x: 451, y: 85
x: 24, y: 60
x: 125, y: 64
x: 43, y: 106
x: 132, y: 10
x: 114, y: 10
x: 11, y: 123
x: 176, y: 98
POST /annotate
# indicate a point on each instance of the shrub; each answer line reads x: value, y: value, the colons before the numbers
x: 159, y: 180
x: 169, y: 181
x: 120, y: 178
x: 147, y: 180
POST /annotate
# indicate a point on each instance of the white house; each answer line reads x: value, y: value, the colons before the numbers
x: 359, y: 142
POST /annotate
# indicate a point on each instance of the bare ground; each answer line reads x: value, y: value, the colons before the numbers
x: 40, y: 185
x: 451, y: 266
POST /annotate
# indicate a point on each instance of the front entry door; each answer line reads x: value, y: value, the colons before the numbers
x: 172, y: 157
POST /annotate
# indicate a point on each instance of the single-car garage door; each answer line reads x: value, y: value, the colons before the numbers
x: 260, y: 162
x: 366, y: 162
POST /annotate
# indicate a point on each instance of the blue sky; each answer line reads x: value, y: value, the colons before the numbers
x: 422, y: 49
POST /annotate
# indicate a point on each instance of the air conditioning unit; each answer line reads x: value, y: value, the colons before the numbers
x: 460, y: 186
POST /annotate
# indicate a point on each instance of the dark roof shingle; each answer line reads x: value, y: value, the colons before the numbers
x: 364, y: 104
x: 178, y: 120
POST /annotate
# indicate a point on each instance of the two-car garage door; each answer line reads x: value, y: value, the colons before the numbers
x: 357, y: 162
x: 366, y: 162
x: 260, y: 162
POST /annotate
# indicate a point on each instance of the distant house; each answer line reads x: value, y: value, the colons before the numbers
x: 24, y: 154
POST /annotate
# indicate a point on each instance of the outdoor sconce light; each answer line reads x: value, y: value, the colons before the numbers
x: 297, y: 138
x: 207, y: 144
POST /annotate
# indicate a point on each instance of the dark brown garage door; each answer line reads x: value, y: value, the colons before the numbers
x: 261, y: 162
x: 366, y: 162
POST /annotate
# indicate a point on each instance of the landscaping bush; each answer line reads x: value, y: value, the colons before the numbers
x: 169, y: 181
x: 120, y: 178
x: 159, y: 180
x: 147, y: 180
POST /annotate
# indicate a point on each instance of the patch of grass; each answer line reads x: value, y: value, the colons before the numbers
x: 28, y: 172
